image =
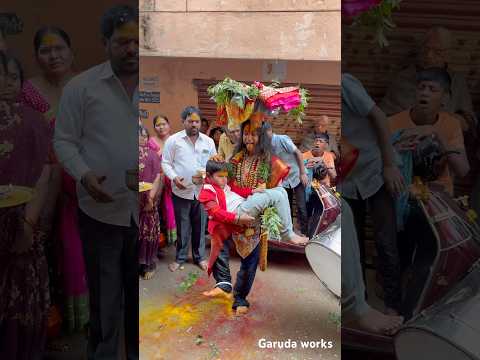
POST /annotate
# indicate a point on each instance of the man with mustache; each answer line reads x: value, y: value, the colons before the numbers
x: 185, y: 154
x: 96, y: 142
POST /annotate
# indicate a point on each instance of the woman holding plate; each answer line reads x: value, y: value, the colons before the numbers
x: 24, y: 146
x: 151, y: 184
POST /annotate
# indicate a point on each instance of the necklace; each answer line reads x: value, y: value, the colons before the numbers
x: 247, y: 174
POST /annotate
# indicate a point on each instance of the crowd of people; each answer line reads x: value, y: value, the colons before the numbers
x: 81, y: 243
x: 426, y: 100
x: 66, y: 133
x: 175, y: 169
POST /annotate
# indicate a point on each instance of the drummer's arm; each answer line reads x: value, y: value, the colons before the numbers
x: 458, y: 163
x: 34, y: 207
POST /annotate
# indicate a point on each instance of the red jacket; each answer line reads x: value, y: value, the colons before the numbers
x: 221, y: 222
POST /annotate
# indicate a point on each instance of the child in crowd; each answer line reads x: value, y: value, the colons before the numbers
x: 229, y: 213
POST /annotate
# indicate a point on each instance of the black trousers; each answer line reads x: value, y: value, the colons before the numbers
x: 385, y: 234
x: 190, y: 217
x: 245, y: 276
x: 111, y: 259
x: 302, y: 215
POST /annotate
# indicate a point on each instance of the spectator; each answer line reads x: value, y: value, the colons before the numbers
x: 185, y: 155
x: 374, y: 181
x: 319, y: 155
x: 205, y: 126
x: 215, y: 134
x: 321, y: 127
x: 297, y: 179
x: 435, y: 51
x: 228, y: 142
x: 95, y: 142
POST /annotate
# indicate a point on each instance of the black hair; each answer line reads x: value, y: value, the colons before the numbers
x: 160, y: 116
x: 19, y: 67
x: 264, y: 146
x: 215, y: 166
x: 40, y: 34
x: 436, y: 74
x: 322, y: 136
x: 188, y: 111
x: 3, y: 61
x: 267, y: 126
x: 142, y: 129
x: 116, y: 17
x: 215, y: 129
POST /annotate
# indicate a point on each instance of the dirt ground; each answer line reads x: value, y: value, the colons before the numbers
x: 287, y: 302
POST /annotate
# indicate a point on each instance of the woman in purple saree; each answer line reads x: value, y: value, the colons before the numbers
x: 25, y: 299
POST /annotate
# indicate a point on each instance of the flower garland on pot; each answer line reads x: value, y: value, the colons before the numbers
x: 237, y: 101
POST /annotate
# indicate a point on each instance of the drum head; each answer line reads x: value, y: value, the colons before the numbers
x: 327, y: 265
x: 417, y: 343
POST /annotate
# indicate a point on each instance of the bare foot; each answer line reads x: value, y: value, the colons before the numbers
x: 298, y: 240
x: 148, y: 275
x: 241, y: 310
x: 218, y: 292
x: 377, y: 322
x: 175, y: 266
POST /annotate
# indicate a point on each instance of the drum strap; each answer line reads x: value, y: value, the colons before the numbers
x: 442, y: 217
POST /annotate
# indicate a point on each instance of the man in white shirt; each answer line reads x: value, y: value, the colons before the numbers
x: 184, y: 159
x: 96, y: 142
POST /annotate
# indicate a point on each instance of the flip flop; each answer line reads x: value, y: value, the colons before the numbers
x: 174, y: 267
x: 203, y: 265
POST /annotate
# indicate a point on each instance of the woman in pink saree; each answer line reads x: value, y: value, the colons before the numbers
x: 161, y: 125
x: 65, y: 256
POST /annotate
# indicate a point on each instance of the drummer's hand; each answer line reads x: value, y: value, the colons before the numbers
x: 23, y: 239
x: 394, y: 180
x: 304, y: 179
x: 93, y: 184
x: 258, y: 190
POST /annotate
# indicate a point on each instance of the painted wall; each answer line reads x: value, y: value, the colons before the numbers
x: 247, y: 29
x: 80, y: 19
x: 176, y: 75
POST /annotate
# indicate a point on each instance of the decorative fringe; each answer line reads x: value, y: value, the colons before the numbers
x: 263, y: 250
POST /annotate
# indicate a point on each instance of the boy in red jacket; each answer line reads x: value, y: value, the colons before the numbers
x: 229, y: 212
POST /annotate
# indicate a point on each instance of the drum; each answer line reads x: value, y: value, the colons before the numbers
x: 324, y: 256
x: 324, y: 250
x: 448, y: 330
x: 451, y: 250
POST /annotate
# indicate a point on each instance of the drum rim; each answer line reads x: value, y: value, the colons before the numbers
x: 318, y: 277
x: 431, y: 333
x: 323, y: 246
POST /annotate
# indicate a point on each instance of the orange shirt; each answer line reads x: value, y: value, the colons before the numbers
x: 448, y: 130
x: 328, y: 159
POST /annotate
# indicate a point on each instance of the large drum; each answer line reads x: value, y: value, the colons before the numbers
x: 451, y: 250
x: 449, y: 330
x: 324, y: 250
